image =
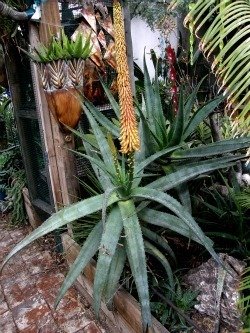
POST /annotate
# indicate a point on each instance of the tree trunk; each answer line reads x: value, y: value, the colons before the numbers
x: 5, y: 10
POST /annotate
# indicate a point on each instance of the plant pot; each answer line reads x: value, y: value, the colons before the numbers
x: 62, y: 81
x: 65, y: 106
x: 126, y: 315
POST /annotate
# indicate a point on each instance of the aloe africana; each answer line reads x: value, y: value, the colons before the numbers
x: 129, y: 137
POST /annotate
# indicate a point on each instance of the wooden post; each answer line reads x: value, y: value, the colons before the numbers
x: 62, y: 168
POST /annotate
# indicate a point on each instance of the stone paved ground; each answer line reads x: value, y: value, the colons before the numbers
x: 28, y: 286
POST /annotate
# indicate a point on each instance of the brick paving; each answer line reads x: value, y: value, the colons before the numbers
x: 28, y: 287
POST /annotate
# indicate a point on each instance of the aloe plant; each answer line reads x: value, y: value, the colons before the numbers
x: 126, y: 219
x: 62, y: 48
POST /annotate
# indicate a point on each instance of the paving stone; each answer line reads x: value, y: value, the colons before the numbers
x: 91, y: 328
x: 3, y: 307
x: 48, y: 281
x: 18, y: 292
x: 29, y: 285
x: 74, y: 324
x: 7, y: 324
x: 41, y: 263
x: 33, y: 311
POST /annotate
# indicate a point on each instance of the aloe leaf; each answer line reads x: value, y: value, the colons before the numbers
x: 61, y: 218
x: 114, y: 275
x: 201, y: 114
x: 189, y: 103
x: 136, y: 256
x: 168, y: 221
x: 172, y: 204
x: 184, y: 196
x: 192, y: 170
x: 219, y: 147
x: 149, y: 96
x: 102, y: 143
x: 115, y: 106
x: 159, y: 119
x: 178, y: 126
x: 102, y: 119
x: 111, y: 235
x: 151, y: 249
x: 88, y: 250
x: 159, y: 240
x: 154, y: 157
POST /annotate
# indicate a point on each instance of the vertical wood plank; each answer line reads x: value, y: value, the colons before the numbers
x: 50, y: 20
x: 45, y: 122
x: 50, y: 24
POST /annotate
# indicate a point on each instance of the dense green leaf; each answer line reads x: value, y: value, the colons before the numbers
x: 200, y: 115
x: 159, y: 240
x: 63, y: 217
x: 136, y: 257
x: 219, y: 147
x: 191, y: 170
x: 168, y: 221
x: 88, y: 250
x: 172, y: 204
x: 115, y: 271
x: 111, y: 235
x: 151, y: 249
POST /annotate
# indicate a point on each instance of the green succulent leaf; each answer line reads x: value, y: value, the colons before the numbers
x: 191, y: 170
x: 61, y: 218
x: 168, y: 221
x: 216, y: 148
x: 172, y: 204
x: 136, y: 257
x: 151, y: 249
x: 111, y: 235
x: 115, y: 271
x: 88, y: 250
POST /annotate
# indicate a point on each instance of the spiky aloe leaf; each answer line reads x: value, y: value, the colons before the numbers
x: 102, y: 119
x: 102, y: 143
x: 190, y: 101
x: 172, y: 204
x: 176, y: 132
x: 115, y: 106
x: 149, y: 96
x: 200, y: 115
x: 168, y: 221
x: 61, y: 218
x: 154, y: 157
x: 192, y: 170
x: 158, y: 115
x: 115, y: 271
x: 184, y: 196
x: 88, y: 250
x: 219, y: 147
x: 136, y: 257
x: 151, y: 249
x: 111, y: 235
x: 159, y: 240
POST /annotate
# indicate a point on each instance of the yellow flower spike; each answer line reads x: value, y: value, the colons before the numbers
x: 129, y: 137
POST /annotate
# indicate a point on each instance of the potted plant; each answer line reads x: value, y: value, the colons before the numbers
x: 61, y: 65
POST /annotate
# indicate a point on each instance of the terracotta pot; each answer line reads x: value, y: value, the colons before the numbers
x: 65, y: 105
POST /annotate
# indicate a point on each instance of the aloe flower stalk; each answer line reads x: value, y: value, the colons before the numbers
x: 129, y: 137
x: 171, y: 58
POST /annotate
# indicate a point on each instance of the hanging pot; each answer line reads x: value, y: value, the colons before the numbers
x: 62, y: 81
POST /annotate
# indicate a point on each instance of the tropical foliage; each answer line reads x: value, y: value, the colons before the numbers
x: 223, y: 28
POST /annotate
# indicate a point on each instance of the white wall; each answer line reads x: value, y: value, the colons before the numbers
x: 143, y: 36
